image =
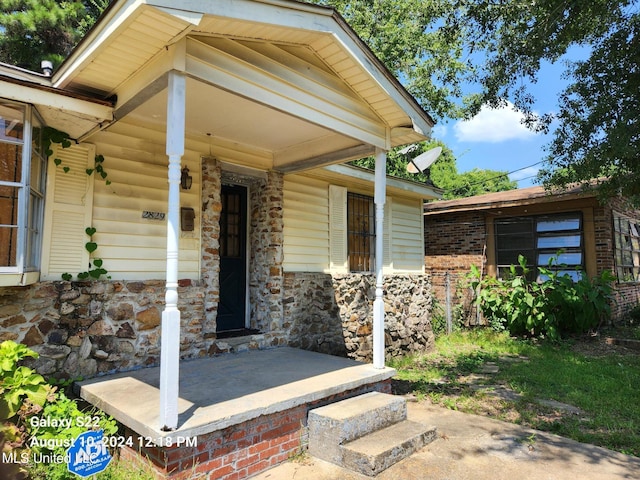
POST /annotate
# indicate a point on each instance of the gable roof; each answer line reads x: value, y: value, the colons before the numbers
x: 280, y: 76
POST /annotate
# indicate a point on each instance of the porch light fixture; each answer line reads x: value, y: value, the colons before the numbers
x: 186, y: 180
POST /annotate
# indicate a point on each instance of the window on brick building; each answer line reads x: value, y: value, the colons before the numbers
x: 361, y: 233
x: 627, y: 248
x: 539, y: 239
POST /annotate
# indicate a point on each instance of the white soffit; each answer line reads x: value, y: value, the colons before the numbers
x: 341, y: 103
x: 121, y: 46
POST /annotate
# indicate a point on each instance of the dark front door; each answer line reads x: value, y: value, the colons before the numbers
x: 233, y: 259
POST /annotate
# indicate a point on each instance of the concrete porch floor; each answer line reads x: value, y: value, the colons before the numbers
x: 223, y: 391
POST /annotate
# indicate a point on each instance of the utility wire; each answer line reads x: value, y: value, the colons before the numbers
x: 496, y: 177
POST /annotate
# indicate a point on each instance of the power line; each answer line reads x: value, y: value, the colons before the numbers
x: 472, y: 184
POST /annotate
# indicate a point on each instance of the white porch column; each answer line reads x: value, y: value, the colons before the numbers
x: 170, y: 333
x: 378, y: 303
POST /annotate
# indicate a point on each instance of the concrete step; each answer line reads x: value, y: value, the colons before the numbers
x: 377, y: 451
x: 333, y: 425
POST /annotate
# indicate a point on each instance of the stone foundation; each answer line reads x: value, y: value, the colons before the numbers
x: 83, y: 329
x: 334, y: 314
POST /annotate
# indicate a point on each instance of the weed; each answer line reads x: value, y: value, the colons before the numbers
x: 602, y: 388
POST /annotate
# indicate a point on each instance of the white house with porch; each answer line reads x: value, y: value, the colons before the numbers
x: 207, y: 170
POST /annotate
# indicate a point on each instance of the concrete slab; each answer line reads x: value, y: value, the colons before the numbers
x: 219, y: 392
x: 377, y: 451
x: 333, y: 425
x: 472, y: 447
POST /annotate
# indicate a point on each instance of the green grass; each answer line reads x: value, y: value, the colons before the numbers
x: 603, y: 387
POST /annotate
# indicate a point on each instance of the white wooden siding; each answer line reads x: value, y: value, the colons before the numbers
x: 306, y: 224
x: 315, y: 237
x: 133, y: 247
x: 407, y: 242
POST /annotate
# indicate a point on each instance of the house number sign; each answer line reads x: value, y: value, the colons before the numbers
x: 153, y: 215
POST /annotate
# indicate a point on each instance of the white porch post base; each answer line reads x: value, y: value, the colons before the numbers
x: 169, y: 369
x: 378, y: 332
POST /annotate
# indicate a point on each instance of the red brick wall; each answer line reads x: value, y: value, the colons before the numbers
x: 627, y: 294
x: 452, y: 244
x: 238, y: 451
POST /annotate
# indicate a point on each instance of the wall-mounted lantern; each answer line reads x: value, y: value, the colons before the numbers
x: 186, y: 180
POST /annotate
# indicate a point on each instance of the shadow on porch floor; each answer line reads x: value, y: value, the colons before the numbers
x: 223, y: 391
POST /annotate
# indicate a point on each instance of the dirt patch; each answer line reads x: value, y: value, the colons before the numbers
x: 619, y: 341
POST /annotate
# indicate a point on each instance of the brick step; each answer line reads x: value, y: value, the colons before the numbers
x: 335, y: 424
x: 377, y: 451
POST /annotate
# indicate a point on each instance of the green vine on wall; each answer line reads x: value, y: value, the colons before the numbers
x: 96, y: 269
x: 51, y: 135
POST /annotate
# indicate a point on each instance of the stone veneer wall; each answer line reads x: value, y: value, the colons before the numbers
x: 266, y: 239
x: 210, y: 242
x: 334, y: 314
x: 89, y: 328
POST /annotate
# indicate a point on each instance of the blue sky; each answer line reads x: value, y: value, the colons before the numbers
x: 497, y: 140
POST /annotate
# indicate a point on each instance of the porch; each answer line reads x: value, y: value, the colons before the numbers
x: 238, y: 414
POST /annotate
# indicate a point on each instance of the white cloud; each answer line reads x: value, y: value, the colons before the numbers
x: 493, y: 126
x: 439, y: 131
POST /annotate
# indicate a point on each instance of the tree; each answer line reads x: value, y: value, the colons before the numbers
x: 443, y: 174
x: 495, y: 48
x: 36, y: 30
x: 596, y: 131
x: 599, y: 136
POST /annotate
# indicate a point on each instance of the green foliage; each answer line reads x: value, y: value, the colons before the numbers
x: 598, y: 112
x: 549, y: 308
x: 96, y: 269
x: 26, y: 399
x: 57, y: 437
x: 95, y: 264
x: 596, y: 132
x: 602, y: 386
x: 35, y: 30
x: 443, y: 174
x: 18, y: 383
x: 440, y: 48
x: 52, y: 135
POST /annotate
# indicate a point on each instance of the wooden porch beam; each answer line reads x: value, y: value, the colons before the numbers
x: 279, y: 91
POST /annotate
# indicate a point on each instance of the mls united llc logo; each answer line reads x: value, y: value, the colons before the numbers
x: 88, y: 454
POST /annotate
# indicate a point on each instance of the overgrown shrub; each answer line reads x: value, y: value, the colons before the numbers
x: 550, y: 308
x: 38, y: 420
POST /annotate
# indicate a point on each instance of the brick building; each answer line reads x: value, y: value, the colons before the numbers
x: 491, y: 230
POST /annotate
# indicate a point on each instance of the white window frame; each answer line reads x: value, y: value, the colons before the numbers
x: 22, y: 273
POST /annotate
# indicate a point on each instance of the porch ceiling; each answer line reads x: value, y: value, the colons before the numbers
x: 215, y: 115
x: 285, y: 78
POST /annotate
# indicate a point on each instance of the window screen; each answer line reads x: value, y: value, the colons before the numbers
x: 361, y: 232
x: 627, y: 248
